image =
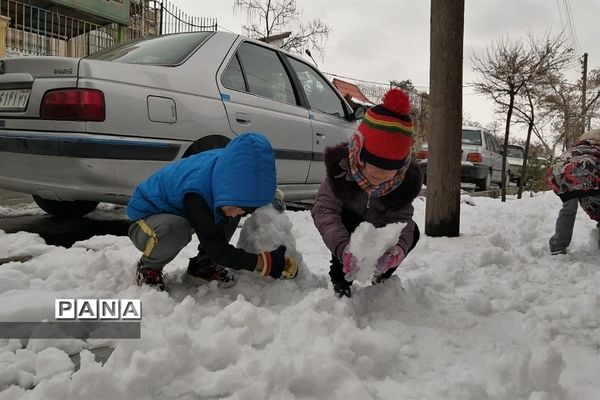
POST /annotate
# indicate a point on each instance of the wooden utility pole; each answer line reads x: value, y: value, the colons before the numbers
x: 583, y: 90
x: 442, y: 211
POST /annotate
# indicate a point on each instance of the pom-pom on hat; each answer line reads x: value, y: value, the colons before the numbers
x: 387, y: 131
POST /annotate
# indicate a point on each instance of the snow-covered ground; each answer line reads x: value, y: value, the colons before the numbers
x: 488, y: 315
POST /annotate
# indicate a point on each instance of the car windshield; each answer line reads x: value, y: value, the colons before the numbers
x: 471, y: 137
x: 515, y: 152
x: 156, y: 50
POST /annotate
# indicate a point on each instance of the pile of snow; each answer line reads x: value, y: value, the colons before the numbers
x: 488, y: 315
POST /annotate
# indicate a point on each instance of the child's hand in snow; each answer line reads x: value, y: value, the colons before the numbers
x: 390, y: 259
x: 350, y: 263
x: 272, y: 263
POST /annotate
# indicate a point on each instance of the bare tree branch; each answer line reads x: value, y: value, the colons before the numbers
x: 267, y: 18
x: 508, y: 68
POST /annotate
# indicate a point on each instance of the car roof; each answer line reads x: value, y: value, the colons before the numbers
x: 261, y: 43
x: 235, y: 36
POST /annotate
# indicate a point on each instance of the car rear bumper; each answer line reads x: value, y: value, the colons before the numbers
x: 473, y: 172
x: 515, y: 170
x: 468, y: 172
x: 76, y: 166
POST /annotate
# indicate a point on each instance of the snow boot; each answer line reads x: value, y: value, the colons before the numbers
x: 201, y: 271
x: 342, y: 288
x: 376, y: 279
x: 151, y: 277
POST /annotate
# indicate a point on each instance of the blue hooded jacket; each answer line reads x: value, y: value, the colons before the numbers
x: 241, y: 174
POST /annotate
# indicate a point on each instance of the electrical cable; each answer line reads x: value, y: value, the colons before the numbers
x: 571, y: 25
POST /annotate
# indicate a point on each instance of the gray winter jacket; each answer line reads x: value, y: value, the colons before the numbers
x: 339, y: 192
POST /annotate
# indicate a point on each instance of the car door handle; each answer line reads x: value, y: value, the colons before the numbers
x: 242, y: 118
x: 319, y: 134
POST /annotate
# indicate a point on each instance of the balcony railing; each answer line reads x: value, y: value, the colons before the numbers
x: 36, y: 31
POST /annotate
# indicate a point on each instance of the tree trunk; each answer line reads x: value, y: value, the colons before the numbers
x: 442, y: 212
x: 511, y: 104
x: 525, y: 158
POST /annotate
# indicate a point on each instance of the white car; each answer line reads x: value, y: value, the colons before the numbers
x: 74, y: 132
x: 481, y: 158
x: 514, y: 158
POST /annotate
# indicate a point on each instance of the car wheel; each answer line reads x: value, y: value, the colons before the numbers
x: 65, y: 209
x: 485, y: 183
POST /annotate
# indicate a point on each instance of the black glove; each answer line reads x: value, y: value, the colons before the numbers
x: 271, y: 263
x: 342, y: 288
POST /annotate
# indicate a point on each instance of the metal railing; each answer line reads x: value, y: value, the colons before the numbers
x: 36, y: 31
x: 174, y: 20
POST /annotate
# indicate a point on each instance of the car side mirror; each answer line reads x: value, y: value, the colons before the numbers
x: 359, y: 112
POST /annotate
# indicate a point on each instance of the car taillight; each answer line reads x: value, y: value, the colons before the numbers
x: 475, y: 157
x: 73, y: 105
x: 422, y: 154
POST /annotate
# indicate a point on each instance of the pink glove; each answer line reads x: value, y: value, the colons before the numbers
x: 350, y: 262
x: 390, y: 259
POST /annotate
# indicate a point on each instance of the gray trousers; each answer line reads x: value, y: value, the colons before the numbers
x: 564, y: 226
x: 161, y: 237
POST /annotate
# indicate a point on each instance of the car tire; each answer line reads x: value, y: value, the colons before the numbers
x: 65, y: 209
x: 485, y: 183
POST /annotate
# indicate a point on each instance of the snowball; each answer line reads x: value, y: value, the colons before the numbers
x: 368, y: 243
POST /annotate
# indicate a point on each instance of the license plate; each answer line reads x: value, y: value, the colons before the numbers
x: 14, y: 99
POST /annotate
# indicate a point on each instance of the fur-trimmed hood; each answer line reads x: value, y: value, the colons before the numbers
x: 338, y: 172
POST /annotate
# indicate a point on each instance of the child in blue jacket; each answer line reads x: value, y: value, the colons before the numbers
x: 207, y: 193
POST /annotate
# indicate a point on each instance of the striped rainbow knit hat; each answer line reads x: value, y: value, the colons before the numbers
x: 387, y: 130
